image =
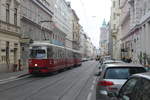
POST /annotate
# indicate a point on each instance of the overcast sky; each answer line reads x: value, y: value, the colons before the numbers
x: 92, y: 14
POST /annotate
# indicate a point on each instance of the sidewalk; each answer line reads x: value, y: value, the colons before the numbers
x: 13, y: 75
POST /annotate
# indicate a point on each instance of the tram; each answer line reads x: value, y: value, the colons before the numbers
x: 46, y: 57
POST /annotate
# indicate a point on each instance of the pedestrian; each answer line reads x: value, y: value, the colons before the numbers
x: 14, y: 67
x: 129, y: 60
x: 19, y: 65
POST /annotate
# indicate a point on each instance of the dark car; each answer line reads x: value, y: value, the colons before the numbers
x: 136, y: 88
x: 113, y: 76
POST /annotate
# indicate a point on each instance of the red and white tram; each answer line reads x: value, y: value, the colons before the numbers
x: 46, y: 57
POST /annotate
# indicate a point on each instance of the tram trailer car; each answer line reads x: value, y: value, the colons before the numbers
x: 46, y: 58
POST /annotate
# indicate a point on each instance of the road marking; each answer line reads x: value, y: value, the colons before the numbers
x: 89, y: 96
x: 92, y: 87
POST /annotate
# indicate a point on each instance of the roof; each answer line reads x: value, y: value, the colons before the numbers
x: 123, y: 65
x: 144, y: 75
x: 47, y: 43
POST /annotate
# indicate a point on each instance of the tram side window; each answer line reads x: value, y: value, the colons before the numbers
x: 70, y: 55
x: 55, y: 53
x: 67, y: 53
x: 61, y: 53
x: 58, y: 53
x: 50, y: 52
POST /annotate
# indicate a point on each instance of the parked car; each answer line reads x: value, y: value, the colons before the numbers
x: 112, y: 61
x: 101, y: 67
x: 107, y: 58
x: 136, y: 88
x: 84, y: 59
x: 113, y: 76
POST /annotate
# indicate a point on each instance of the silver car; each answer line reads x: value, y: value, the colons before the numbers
x: 136, y: 87
x: 113, y: 76
x: 109, y: 62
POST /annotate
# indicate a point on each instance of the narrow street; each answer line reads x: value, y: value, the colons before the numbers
x: 74, y: 84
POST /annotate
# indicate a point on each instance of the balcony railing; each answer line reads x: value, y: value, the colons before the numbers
x: 12, y: 29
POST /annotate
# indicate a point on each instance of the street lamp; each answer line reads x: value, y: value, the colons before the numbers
x: 42, y: 24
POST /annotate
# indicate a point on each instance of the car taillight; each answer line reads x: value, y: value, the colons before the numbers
x: 105, y: 83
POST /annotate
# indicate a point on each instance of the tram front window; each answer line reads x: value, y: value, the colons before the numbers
x: 39, y: 54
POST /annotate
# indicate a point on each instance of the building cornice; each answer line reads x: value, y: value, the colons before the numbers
x: 9, y: 29
x: 35, y: 24
x: 45, y: 8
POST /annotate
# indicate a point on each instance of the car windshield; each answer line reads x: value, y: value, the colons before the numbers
x: 122, y: 73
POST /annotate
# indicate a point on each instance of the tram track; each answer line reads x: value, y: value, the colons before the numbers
x: 74, y: 73
x: 73, y: 84
x: 49, y: 83
x: 33, y: 80
x: 55, y: 83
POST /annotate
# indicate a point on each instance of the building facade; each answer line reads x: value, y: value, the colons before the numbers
x: 138, y: 35
x: 36, y: 24
x: 115, y: 28
x: 76, y: 31
x: 104, y: 38
x: 82, y: 43
x: 9, y: 34
x: 126, y: 46
x: 63, y: 22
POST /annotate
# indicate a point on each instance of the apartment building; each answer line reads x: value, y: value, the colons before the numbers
x: 9, y: 34
x: 36, y: 24
x: 115, y: 28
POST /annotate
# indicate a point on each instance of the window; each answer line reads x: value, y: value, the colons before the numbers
x: 38, y: 54
x: 122, y: 73
x: 117, y: 73
x: 114, y: 16
x: 114, y: 3
x: 114, y: 27
x: 146, y: 90
x: 126, y: 92
x: 15, y: 16
x: 7, y: 13
x: 50, y: 52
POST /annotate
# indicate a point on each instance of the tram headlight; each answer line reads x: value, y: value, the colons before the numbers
x: 35, y: 65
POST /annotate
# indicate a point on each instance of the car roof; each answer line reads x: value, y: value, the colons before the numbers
x: 144, y: 75
x: 109, y: 61
x: 123, y: 65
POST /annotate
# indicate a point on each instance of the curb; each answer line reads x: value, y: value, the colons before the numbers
x: 19, y: 76
x: 12, y: 78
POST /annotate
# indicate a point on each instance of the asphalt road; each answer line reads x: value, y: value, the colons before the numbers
x: 74, y: 84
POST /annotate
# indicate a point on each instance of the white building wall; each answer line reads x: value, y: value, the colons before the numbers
x: 9, y: 33
x: 63, y: 20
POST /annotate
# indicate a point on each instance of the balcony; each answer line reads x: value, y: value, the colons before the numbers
x: 9, y: 28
